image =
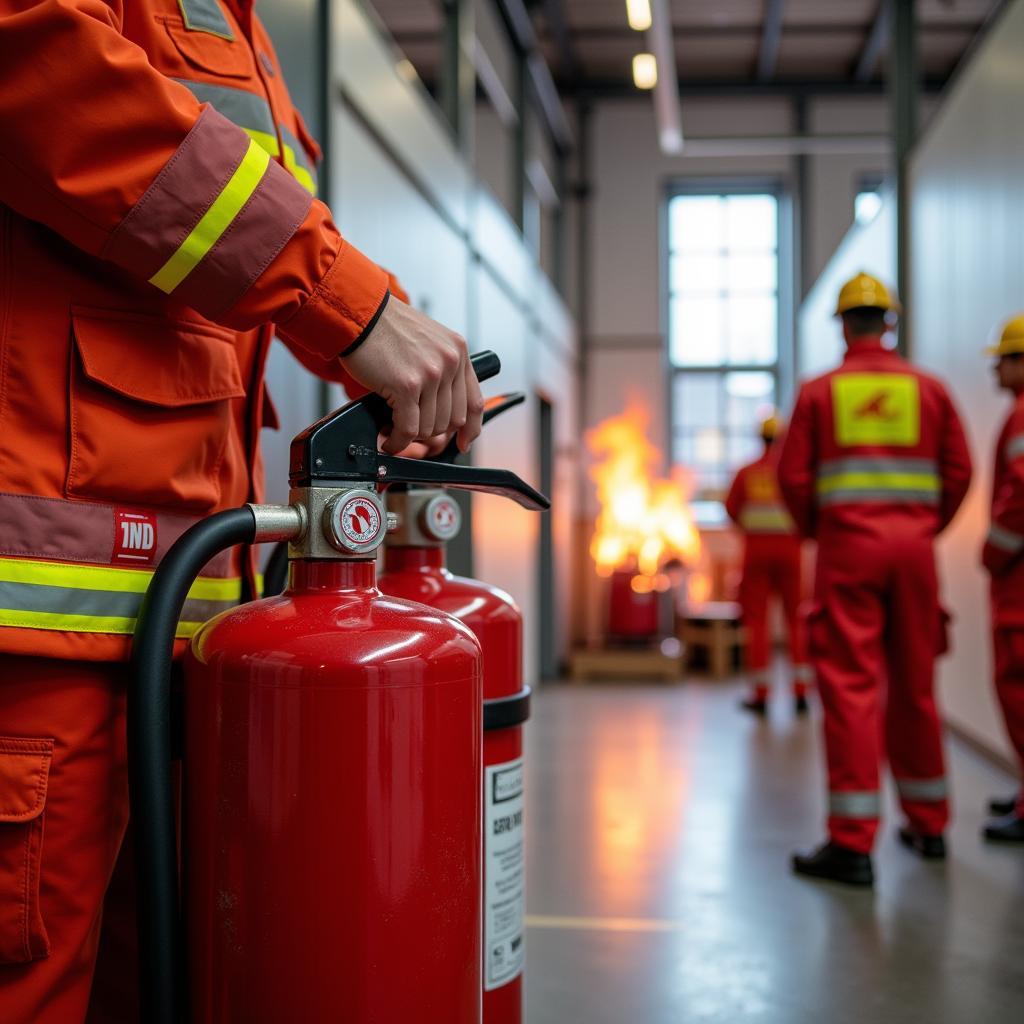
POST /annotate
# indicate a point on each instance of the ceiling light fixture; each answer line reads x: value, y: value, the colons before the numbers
x: 639, y: 14
x: 645, y: 71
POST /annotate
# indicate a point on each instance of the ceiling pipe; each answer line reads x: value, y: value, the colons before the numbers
x: 661, y: 43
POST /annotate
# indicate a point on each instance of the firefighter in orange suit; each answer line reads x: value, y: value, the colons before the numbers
x: 158, y: 224
x: 771, y: 565
x: 1003, y: 557
x: 874, y: 465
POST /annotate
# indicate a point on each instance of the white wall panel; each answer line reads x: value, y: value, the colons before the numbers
x: 967, y: 255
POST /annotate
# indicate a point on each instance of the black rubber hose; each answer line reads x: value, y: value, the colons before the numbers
x: 162, y: 977
x: 275, y: 576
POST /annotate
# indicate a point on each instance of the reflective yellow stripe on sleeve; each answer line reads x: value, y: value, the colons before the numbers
x: 222, y: 211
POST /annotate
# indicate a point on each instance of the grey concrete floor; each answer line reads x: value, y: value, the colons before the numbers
x: 660, y: 822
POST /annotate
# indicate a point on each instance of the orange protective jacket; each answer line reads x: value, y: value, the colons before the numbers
x: 875, y: 449
x: 157, y: 224
x: 1003, y: 554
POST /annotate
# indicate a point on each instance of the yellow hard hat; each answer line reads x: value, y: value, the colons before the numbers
x: 866, y: 290
x: 1011, y: 340
x: 770, y: 427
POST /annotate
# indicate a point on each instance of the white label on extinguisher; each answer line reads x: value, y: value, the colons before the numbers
x: 504, y: 875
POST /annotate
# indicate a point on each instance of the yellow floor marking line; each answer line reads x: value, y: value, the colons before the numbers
x: 603, y: 924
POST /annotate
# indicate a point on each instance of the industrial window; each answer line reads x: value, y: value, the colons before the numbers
x: 723, y: 330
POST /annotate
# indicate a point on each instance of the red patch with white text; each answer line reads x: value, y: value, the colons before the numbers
x: 134, y: 538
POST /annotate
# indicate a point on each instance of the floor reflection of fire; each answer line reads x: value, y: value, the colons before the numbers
x: 645, y: 541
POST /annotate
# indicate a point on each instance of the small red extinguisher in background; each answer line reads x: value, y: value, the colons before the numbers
x: 415, y: 569
x: 331, y: 838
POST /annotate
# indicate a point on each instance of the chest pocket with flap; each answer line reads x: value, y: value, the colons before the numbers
x: 150, y: 409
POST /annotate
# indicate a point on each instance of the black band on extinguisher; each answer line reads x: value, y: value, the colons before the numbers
x: 506, y: 712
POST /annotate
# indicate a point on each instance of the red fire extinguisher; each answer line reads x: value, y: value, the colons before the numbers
x: 415, y: 569
x: 331, y: 826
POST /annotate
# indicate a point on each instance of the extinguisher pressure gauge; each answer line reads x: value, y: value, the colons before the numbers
x: 441, y: 518
x: 355, y: 521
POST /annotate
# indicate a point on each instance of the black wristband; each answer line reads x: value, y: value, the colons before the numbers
x: 365, y: 333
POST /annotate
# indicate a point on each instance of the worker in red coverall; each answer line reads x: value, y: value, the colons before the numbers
x: 874, y: 465
x: 1002, y: 557
x: 771, y: 566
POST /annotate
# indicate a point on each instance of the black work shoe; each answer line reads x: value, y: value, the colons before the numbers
x: 836, y: 863
x: 925, y: 846
x: 1001, y: 808
x: 1009, y: 829
x: 755, y: 705
x: 800, y: 705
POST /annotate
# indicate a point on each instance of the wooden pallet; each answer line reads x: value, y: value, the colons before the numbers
x: 715, y: 627
x: 625, y: 663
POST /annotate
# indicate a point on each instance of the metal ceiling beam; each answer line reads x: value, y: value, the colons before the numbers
x: 580, y: 35
x: 771, y: 38
x: 525, y: 38
x: 603, y: 89
x: 878, y: 39
x: 554, y: 14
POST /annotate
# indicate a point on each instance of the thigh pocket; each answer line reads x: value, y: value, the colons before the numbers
x: 150, y: 409
x: 24, y: 773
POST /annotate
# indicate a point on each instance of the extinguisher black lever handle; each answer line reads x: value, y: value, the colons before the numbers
x: 494, y: 406
x: 393, y: 469
x: 324, y: 451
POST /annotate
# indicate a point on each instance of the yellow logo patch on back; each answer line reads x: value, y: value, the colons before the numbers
x: 761, y: 486
x: 876, y: 408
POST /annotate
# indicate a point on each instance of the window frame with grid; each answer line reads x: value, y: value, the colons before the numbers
x: 726, y: 446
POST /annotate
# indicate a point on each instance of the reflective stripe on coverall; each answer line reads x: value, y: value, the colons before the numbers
x: 771, y: 566
x: 1002, y: 557
x: 873, y: 466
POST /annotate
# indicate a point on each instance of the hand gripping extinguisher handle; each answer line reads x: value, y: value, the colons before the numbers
x: 494, y: 406
x: 161, y: 967
x: 342, y: 448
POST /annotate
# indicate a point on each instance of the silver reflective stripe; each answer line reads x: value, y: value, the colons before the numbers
x: 35, y: 597
x: 1005, y: 540
x: 205, y: 16
x: 897, y: 497
x: 1015, y: 446
x: 877, y: 464
x: 301, y: 157
x: 765, y: 517
x: 854, y: 804
x: 244, y: 108
x: 929, y: 790
x: 803, y: 673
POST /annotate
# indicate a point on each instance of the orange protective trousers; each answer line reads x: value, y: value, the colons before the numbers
x: 63, y: 816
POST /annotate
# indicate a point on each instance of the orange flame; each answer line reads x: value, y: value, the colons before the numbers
x: 644, y: 520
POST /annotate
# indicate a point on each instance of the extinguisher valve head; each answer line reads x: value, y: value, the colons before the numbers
x: 427, y: 517
x: 355, y: 521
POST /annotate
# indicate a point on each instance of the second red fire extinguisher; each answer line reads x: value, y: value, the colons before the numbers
x: 331, y: 841
x: 415, y: 568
